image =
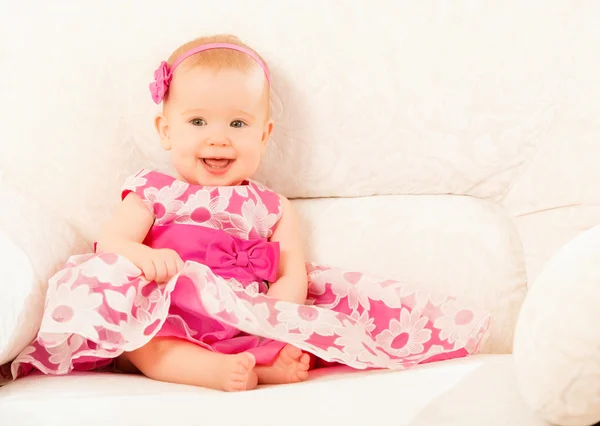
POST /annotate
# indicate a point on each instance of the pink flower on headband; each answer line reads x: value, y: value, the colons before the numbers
x: 163, y: 75
x: 160, y: 85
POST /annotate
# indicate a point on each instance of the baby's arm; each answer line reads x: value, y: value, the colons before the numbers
x: 292, y: 284
x: 124, y: 233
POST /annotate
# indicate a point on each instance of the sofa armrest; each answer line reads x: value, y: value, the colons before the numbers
x: 557, y: 339
x: 33, y: 244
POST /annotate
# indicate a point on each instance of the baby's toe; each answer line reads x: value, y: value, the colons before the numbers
x: 302, y: 375
x: 292, y: 351
x: 305, y: 360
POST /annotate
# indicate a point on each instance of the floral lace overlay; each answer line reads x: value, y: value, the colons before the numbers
x: 99, y: 305
x: 247, y: 211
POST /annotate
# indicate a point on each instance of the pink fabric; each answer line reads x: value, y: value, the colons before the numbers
x: 227, y: 255
x: 164, y: 73
x: 99, y: 305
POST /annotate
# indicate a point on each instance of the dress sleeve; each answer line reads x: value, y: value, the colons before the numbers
x: 136, y: 183
x: 142, y: 184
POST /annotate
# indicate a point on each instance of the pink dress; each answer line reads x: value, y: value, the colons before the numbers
x: 99, y: 305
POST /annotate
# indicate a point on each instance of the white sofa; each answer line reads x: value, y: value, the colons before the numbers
x: 453, y: 145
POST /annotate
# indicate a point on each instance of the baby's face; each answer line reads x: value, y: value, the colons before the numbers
x: 216, y: 125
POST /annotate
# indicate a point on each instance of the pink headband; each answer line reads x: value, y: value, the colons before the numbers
x: 163, y: 75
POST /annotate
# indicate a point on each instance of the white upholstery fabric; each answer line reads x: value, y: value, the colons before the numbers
x: 404, y: 99
x: 440, y: 394
x: 558, y: 195
x: 557, y: 345
x: 441, y: 244
x: 17, y: 273
x: 474, y: 123
x: 33, y: 244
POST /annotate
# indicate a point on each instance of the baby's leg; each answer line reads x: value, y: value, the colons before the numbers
x: 178, y: 361
x: 290, y: 366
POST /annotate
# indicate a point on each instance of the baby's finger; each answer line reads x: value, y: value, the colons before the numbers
x: 161, y: 270
x: 149, y: 271
x: 179, y: 263
x: 171, y: 265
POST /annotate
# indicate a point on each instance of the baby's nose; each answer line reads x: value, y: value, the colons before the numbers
x: 219, y: 141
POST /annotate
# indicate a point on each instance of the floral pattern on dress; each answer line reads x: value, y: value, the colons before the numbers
x: 100, y: 305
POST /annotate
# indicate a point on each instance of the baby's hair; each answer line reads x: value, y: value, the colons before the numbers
x: 218, y: 59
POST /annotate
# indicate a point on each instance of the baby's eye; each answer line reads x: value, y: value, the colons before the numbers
x: 198, y: 122
x: 237, y: 123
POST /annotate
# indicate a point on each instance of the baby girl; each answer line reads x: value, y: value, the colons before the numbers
x: 200, y: 278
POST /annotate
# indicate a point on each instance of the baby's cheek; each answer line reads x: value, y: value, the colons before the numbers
x: 252, y: 152
x: 254, y: 161
x: 184, y: 155
x: 188, y: 146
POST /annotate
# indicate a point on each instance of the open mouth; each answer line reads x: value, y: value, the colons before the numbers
x: 217, y: 163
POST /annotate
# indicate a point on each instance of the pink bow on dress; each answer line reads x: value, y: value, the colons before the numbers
x: 261, y: 257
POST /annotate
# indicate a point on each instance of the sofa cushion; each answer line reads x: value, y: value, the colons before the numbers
x: 445, y: 244
x: 428, y: 395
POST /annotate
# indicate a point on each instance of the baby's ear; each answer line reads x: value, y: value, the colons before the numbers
x: 162, y: 128
x: 267, y: 130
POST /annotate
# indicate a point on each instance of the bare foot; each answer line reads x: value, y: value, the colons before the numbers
x: 237, y: 374
x: 252, y: 382
x: 290, y: 366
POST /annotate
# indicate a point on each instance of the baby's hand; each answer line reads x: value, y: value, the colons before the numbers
x: 160, y: 264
